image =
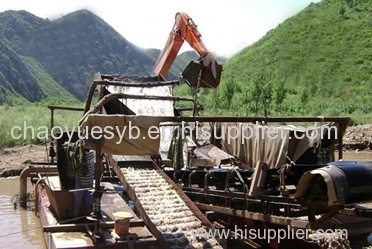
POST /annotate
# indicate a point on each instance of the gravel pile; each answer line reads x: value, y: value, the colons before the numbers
x: 330, y: 241
x: 167, y: 210
x: 358, y: 137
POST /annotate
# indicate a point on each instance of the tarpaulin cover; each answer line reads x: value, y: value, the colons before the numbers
x: 151, y: 107
x: 120, y: 134
x: 273, y: 145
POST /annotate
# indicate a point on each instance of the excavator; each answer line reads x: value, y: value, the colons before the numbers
x: 206, y: 72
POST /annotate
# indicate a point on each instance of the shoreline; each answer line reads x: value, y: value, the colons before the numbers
x: 357, y: 140
x: 15, y: 159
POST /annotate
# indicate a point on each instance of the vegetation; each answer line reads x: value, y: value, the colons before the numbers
x: 35, y: 116
x: 52, y: 63
x: 317, y: 63
x: 45, y: 59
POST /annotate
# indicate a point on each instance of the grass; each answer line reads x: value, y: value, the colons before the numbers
x: 214, y: 102
x: 37, y: 117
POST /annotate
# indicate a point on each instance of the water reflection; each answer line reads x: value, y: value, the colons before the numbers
x: 365, y: 156
x: 18, y: 228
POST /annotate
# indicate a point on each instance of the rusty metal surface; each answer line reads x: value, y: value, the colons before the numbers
x: 73, y: 235
x: 266, y: 120
x: 196, y: 71
x: 62, y: 201
x: 354, y: 225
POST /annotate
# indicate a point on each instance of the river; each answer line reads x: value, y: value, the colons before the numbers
x: 21, y: 228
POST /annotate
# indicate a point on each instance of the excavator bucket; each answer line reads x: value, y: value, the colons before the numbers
x: 208, y: 80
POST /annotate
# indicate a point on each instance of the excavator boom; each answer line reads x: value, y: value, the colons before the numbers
x: 207, y: 69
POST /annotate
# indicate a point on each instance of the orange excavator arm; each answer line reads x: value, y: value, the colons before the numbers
x: 184, y: 29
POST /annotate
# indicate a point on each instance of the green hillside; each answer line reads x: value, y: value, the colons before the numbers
x: 318, y: 62
x: 54, y: 60
x: 76, y: 46
x: 315, y: 63
x: 22, y: 79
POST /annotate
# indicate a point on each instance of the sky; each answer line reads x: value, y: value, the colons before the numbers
x: 226, y: 26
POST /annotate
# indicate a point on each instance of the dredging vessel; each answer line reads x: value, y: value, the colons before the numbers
x: 184, y: 179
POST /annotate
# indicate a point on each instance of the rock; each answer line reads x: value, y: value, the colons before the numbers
x: 358, y: 138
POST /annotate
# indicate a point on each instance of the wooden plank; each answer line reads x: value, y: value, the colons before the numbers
x: 112, y: 202
x: 81, y: 226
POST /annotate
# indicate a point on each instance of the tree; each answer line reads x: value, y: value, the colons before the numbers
x: 229, y: 90
x: 256, y: 89
x: 266, y: 95
x: 279, y: 92
x: 246, y: 95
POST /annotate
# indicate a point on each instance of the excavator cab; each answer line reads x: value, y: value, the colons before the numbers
x: 205, y: 72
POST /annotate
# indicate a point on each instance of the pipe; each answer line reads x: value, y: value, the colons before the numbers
x: 113, y: 96
x: 40, y: 181
x: 122, y: 83
x: 190, y: 175
x: 26, y: 172
x: 206, y: 176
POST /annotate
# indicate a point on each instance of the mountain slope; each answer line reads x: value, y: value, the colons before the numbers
x: 323, y: 54
x: 45, y: 59
x: 15, y: 75
x: 65, y: 52
x: 74, y: 47
x: 18, y: 27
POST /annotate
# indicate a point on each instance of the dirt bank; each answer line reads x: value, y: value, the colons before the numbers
x: 12, y: 162
x: 15, y: 159
x: 358, y: 137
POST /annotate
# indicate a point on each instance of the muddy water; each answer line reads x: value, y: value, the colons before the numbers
x: 21, y: 229
x: 357, y: 156
x: 18, y: 228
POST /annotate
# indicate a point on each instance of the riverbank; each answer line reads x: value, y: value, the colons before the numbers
x: 357, y: 145
x: 358, y: 138
x: 14, y: 160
